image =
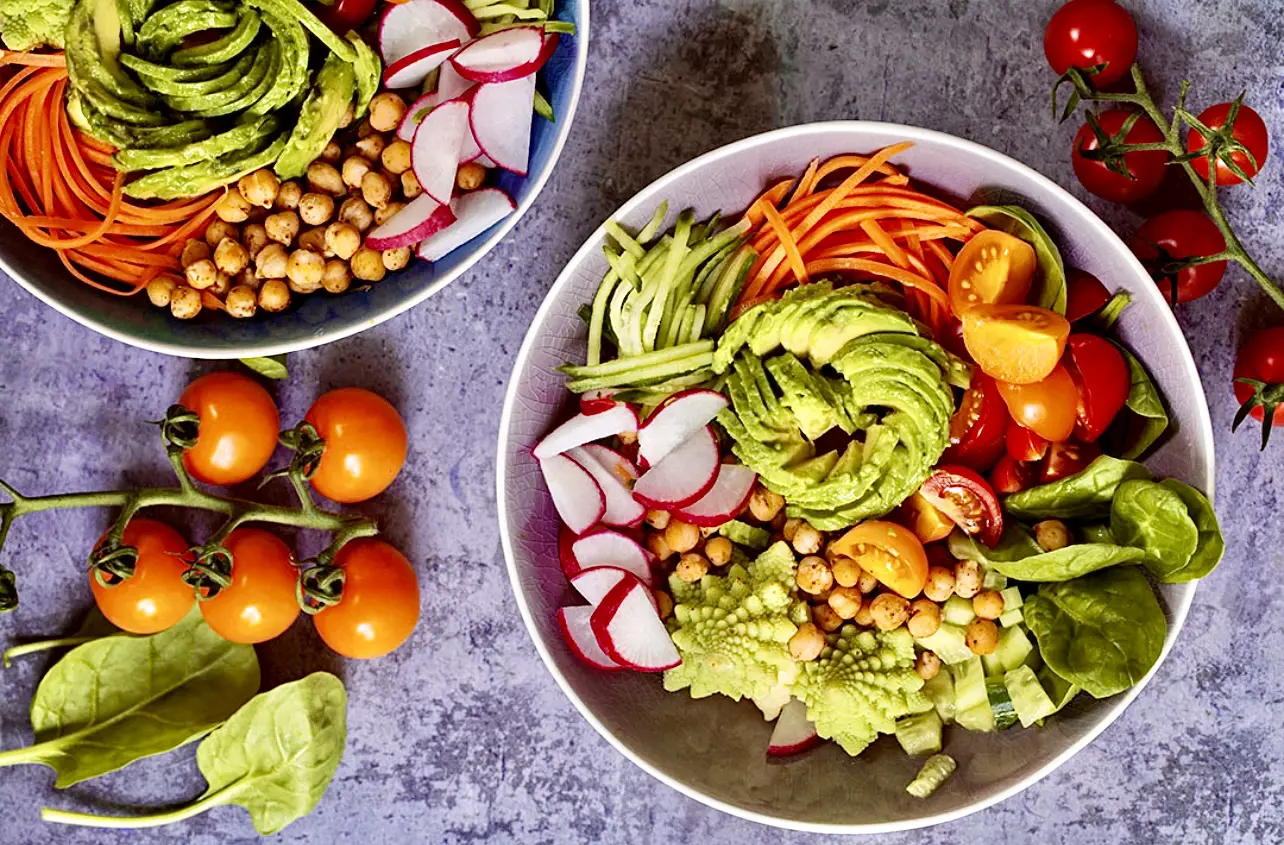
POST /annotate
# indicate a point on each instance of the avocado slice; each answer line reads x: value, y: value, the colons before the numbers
x: 224, y: 48
x: 168, y: 73
x: 324, y: 34
x: 202, y: 87
x: 319, y: 117
x: 246, y: 136
x: 229, y: 99
x: 368, y: 69
x: 124, y: 135
x: 195, y: 179
x: 292, y: 79
x: 166, y: 29
x: 93, y: 44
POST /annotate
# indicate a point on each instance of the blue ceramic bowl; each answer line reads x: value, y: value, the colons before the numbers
x: 315, y: 319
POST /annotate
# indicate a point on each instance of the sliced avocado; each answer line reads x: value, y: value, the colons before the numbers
x: 222, y: 49
x: 246, y: 136
x: 124, y: 135
x: 92, y: 47
x: 238, y: 96
x: 292, y: 79
x: 204, y: 87
x: 319, y: 117
x: 294, y: 9
x: 840, y: 325
x: 816, y: 469
x: 166, y: 29
x: 368, y: 69
x: 169, y: 73
x: 196, y: 179
x: 801, y: 395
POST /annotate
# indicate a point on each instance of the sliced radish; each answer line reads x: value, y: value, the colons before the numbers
x: 685, y: 474
x: 411, y: 70
x: 450, y: 86
x: 621, y: 508
x: 566, y: 551
x: 422, y: 217
x: 585, y: 428
x: 596, y: 583
x: 501, y: 56
x: 725, y: 499
x: 434, y: 154
x: 577, y: 628
x: 794, y: 733
x: 501, y: 120
x: 629, y: 630
x: 475, y: 212
x: 623, y: 468
x: 610, y: 548
x: 578, y: 499
x: 595, y: 401
x: 410, y: 26
x: 677, y: 418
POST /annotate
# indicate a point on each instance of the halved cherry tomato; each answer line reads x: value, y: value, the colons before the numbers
x: 967, y: 499
x: 926, y: 520
x: 380, y: 604
x: 1085, y: 295
x: 889, y: 552
x: 977, y: 427
x: 343, y: 16
x: 993, y: 267
x: 238, y: 428
x: 1102, y: 376
x: 365, y: 444
x: 1067, y: 458
x: 1019, y: 344
x: 951, y: 337
x: 1011, y: 476
x: 1024, y: 445
x: 1089, y: 34
x: 938, y: 554
x: 1249, y: 130
x: 1173, y: 236
x: 155, y: 597
x: 1046, y: 407
x: 260, y: 603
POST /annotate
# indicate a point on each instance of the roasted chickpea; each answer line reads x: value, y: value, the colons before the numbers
x: 410, y: 187
x: 201, y: 274
x: 864, y: 614
x: 367, y: 265
x: 271, y: 263
x: 242, y: 301
x: 349, y: 115
x: 847, y: 572
x: 967, y: 578
x: 814, y: 575
x: 316, y: 209
x: 656, y: 545
x: 356, y: 211
x: 222, y: 284
x: 396, y: 259
x: 386, y: 111
x: 337, y: 276
x: 845, y: 601
x: 764, y: 504
x: 254, y: 237
x: 230, y: 256
x: 342, y: 240
x: 364, y: 128
x: 692, y: 567
x: 867, y: 583
x: 790, y: 529
x: 160, y: 291
x: 927, y: 665
x: 218, y: 230
x: 940, y: 583
x: 274, y: 295
x: 682, y: 537
x: 806, y: 540
x: 376, y: 189
x: 355, y: 169
x: 282, y: 227
x: 987, y: 604
x: 371, y: 146
x: 807, y: 642
x: 659, y: 520
x: 396, y: 157
x: 1051, y: 534
x: 718, y: 551
x: 924, y: 618
x: 287, y: 198
x: 259, y: 188
x: 332, y: 152
x: 313, y: 240
x: 470, y: 176
x: 982, y: 636
x: 825, y: 618
x: 389, y: 211
x: 194, y: 251
x: 663, y: 603
x: 232, y: 208
x: 185, y: 303
x: 324, y: 177
x: 890, y: 611
x: 246, y: 278
x: 304, y: 271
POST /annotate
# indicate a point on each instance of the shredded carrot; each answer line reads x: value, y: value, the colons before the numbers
x: 772, y: 196
x: 10, y: 57
x: 788, y: 243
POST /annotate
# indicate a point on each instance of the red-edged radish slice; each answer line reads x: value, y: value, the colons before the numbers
x: 578, y: 631
x: 683, y: 477
x: 578, y: 499
x: 566, y: 551
x: 793, y: 733
x: 411, y: 70
x: 501, y: 119
x: 621, y: 508
x: 629, y: 630
x: 610, y: 548
x: 585, y: 428
x: 725, y: 499
x: 501, y: 56
x: 407, y: 27
x: 421, y: 218
x: 450, y: 86
x: 434, y: 154
x: 623, y: 468
x: 595, y: 401
x: 677, y: 418
x: 475, y: 212
x: 596, y: 584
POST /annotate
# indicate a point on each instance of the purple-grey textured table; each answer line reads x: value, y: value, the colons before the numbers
x: 461, y: 736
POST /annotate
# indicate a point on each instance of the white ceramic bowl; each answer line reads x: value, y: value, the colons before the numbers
x: 713, y: 749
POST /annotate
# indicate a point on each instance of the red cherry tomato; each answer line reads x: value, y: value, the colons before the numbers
x: 1249, y: 130
x: 343, y: 16
x: 238, y: 428
x: 1024, y: 445
x: 1088, y: 33
x: 1046, y: 407
x: 1261, y: 358
x: 967, y: 499
x: 380, y: 604
x: 978, y: 427
x: 1085, y: 295
x: 155, y: 597
x: 260, y: 603
x: 1102, y: 376
x: 1067, y: 459
x: 1175, y: 235
x: 1011, y: 476
x: 1146, y: 169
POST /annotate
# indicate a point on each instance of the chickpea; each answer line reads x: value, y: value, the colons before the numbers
x: 242, y: 301
x: 222, y: 284
x: 337, y: 277
x: 356, y: 211
x: 813, y: 575
x: 864, y: 614
x: 160, y: 291
x: 246, y: 278
x: 806, y: 540
x: 332, y: 151
x: 254, y: 237
x: 367, y: 265
x: 282, y: 227
x: 867, y: 583
x: 470, y: 176
x: 659, y: 520
x: 259, y: 188
x: 764, y: 504
x: 982, y: 636
x: 890, y: 611
x: 354, y: 170
x: 386, y: 111
x: 681, y: 537
x: 790, y: 529
x: 396, y: 157
x: 371, y: 146
x: 271, y: 263
x: 410, y: 187
x: 1051, y: 534
x: 375, y: 189
x: 201, y: 274
x: 927, y: 665
x: 924, y: 618
x: 940, y: 583
x: 807, y: 642
x: 304, y: 270
x: 287, y: 199
x: 987, y: 604
x: 313, y: 240
x: 324, y: 177
x: 718, y: 551
x: 339, y: 239
x: 396, y: 259
x: 967, y: 578
x: 349, y: 115
x: 364, y: 128
x: 232, y: 208
x: 193, y: 251
x: 316, y: 209
x: 274, y: 295
x: 218, y: 230
x: 692, y: 567
x: 663, y: 603
x: 389, y: 211
x: 825, y: 618
x: 847, y: 572
x: 185, y: 303
x: 230, y: 256
x: 657, y: 546
x: 845, y: 601
x: 777, y: 524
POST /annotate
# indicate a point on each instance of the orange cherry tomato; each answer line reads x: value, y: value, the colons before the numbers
x: 155, y: 597
x: 889, y: 552
x: 992, y: 268
x: 1048, y: 407
x: 380, y: 603
x: 260, y: 603
x: 365, y: 444
x: 926, y: 520
x: 238, y: 432
x: 1019, y: 344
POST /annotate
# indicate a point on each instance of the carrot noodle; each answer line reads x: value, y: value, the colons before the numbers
x: 59, y: 187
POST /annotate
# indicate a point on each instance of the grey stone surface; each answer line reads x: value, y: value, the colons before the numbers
x: 462, y: 736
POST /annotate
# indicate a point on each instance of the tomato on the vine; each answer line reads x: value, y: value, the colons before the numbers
x: 1249, y: 130
x: 1085, y: 295
x: 238, y: 428
x: 365, y: 444
x: 1088, y: 33
x: 992, y: 267
x: 1262, y: 359
x: 260, y: 603
x: 1103, y: 379
x: 155, y: 597
x: 1174, y: 236
x: 978, y: 426
x: 380, y: 604
x: 1146, y: 168
x: 1047, y: 407
x: 889, y: 552
x: 967, y: 499
x: 1019, y: 344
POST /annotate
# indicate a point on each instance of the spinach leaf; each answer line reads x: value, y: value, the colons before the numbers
x: 1016, y: 543
x: 1144, y: 401
x: 273, y: 367
x: 1210, y: 546
x: 1087, y: 493
x: 1049, y: 286
x: 1061, y: 691
x: 121, y: 698
x: 1096, y: 532
x: 1018, y: 555
x: 1153, y: 518
x: 94, y: 626
x: 1102, y: 632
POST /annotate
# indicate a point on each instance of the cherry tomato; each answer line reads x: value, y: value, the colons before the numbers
x: 260, y: 602
x: 1066, y: 459
x: 1019, y: 344
x: 1261, y: 358
x: 976, y: 429
x: 889, y: 552
x: 343, y: 16
x: 951, y: 337
x: 938, y: 554
x: 365, y: 444
x: 1011, y: 476
x: 992, y: 267
x: 1146, y: 168
x: 1088, y: 33
x: 1085, y: 295
x: 155, y: 597
x: 967, y: 499
x: 1047, y: 407
x: 1172, y: 236
x: 926, y: 520
x: 1103, y: 379
x: 1024, y: 445
x: 238, y: 428
x: 380, y: 603
x: 1249, y: 130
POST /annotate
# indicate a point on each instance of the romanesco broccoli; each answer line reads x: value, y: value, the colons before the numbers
x: 27, y: 24
x: 861, y: 684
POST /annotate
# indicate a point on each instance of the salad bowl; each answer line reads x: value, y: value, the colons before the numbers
x: 713, y: 749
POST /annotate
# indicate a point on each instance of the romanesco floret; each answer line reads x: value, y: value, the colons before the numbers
x: 27, y: 24
x: 732, y: 631
x: 861, y: 684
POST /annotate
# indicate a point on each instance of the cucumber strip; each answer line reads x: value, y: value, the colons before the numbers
x: 1011, y: 617
x: 652, y: 228
x: 657, y: 373
x: 222, y: 49
x: 498, y: 10
x: 727, y: 290
x: 543, y: 107
x: 619, y: 321
x: 707, y: 228
x: 660, y: 316
x: 936, y: 770
x: 639, y: 362
x: 498, y: 25
x: 626, y: 241
x: 546, y: 6
x: 707, y: 279
x: 697, y: 324
x: 654, y: 394
x: 600, y: 304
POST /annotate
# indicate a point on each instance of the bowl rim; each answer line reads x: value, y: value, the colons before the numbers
x: 1115, y: 707
x: 90, y: 321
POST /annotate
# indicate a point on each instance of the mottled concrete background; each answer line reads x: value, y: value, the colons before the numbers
x: 462, y: 736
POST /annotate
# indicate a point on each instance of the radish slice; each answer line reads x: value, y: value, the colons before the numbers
x: 450, y: 86
x: 725, y: 499
x: 610, y: 548
x: 412, y: 69
x: 424, y: 216
x: 502, y: 56
x: 685, y: 474
x: 677, y: 418
x: 475, y: 212
x: 578, y: 631
x: 585, y: 428
x: 594, y: 401
x: 621, y: 508
x: 793, y: 733
x: 566, y: 551
x: 501, y: 120
x: 434, y: 155
x: 629, y: 630
x: 596, y: 583
x: 407, y: 27
x: 623, y: 468
x: 578, y: 499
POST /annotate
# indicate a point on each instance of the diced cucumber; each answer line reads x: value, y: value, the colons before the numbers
x: 1014, y: 648
x: 993, y: 665
x: 969, y: 685
x: 958, y: 611
x: 1028, y: 696
x: 936, y: 770
x: 1005, y: 715
x: 921, y: 734
x: 1011, y: 598
x: 940, y: 690
x: 1011, y: 617
x: 979, y: 718
x: 948, y: 643
x: 993, y: 579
